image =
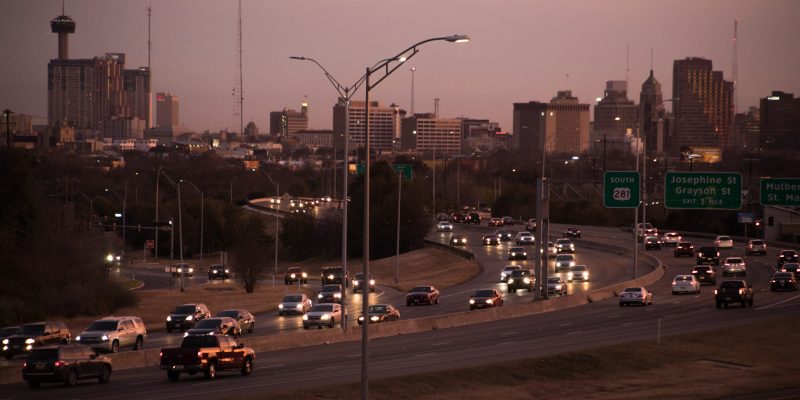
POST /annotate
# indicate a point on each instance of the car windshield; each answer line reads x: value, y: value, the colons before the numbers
x: 511, y: 268
x: 563, y: 241
x: 757, y: 242
x: 295, y: 269
x: 633, y: 289
x: 783, y: 275
x: 184, y: 310
x: 43, y: 355
x: 702, y: 269
x: 554, y: 280
x: 684, y: 244
x: 519, y: 272
x: 423, y: 289
x: 489, y: 236
x: 292, y: 298
x: 517, y: 249
x: 724, y: 238
x: 32, y: 329
x: 579, y: 268
x: 564, y: 257
x: 102, y: 326
x: 484, y: 293
x: 210, y: 323
x: 334, y: 271
x: 331, y: 288
x: 377, y: 309
x: 228, y: 313
x: 733, y: 260
x: 671, y: 235
x: 683, y: 278
x: 733, y: 284
x: 788, y: 253
x: 8, y: 331
x: 197, y: 341
x: 322, y: 308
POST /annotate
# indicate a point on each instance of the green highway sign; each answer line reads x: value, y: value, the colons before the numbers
x: 703, y: 190
x: 403, y: 169
x: 780, y: 191
x: 621, y: 189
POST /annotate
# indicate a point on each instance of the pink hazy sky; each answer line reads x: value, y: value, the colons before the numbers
x: 520, y: 50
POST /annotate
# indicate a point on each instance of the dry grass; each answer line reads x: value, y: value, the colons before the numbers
x: 708, y: 365
x: 424, y: 267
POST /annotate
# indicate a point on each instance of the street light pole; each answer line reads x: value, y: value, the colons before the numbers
x: 277, y: 222
x: 202, y: 212
x: 397, y: 241
x: 180, y: 225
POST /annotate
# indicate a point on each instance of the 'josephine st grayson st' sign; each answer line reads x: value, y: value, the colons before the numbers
x: 703, y: 190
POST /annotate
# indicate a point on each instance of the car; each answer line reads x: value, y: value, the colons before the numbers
x: 671, y: 239
x: 783, y: 281
x: 206, y: 354
x: 422, y: 295
x: 565, y: 246
x: 8, y: 331
x: 738, y: 291
x: 635, y: 295
x: 685, y: 284
x: 442, y: 217
x: 552, y: 250
x: 517, y: 253
x: 179, y: 270
x: 524, y: 238
x: 473, y: 218
x: 644, y: 232
x: 787, y: 256
x: 791, y: 267
x: 65, y: 364
x: 556, y: 285
x: 325, y: 314
x: 359, y: 284
x: 507, y: 270
x: 683, y: 249
x: 34, y: 335
x: 490, y: 240
x: 216, y: 326
x: 734, y: 266
x: 444, y: 226
x: 380, y: 313
x: 218, y: 271
x: 458, y: 217
x: 242, y: 317
x: 503, y: 235
x: 572, y: 233
x: 495, y: 222
x: 578, y: 273
x: 564, y: 261
x: 185, y: 316
x: 530, y: 225
x: 652, y: 243
x: 723, y: 242
x: 508, y: 220
x: 330, y: 294
x: 755, y: 246
x: 485, y: 298
x: 705, y: 274
x: 111, y: 334
x: 520, y: 279
x: 295, y: 275
x: 458, y: 240
x: 333, y: 276
x: 707, y: 255
x: 295, y: 303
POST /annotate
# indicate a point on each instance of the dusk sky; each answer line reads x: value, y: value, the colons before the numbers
x: 520, y: 50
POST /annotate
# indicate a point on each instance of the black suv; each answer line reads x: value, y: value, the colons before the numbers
x: 185, y: 316
x: 65, y: 364
x: 683, y: 249
x: 708, y: 255
x: 333, y: 276
x: 520, y: 279
x: 734, y: 292
x: 295, y: 275
x: 705, y: 274
x: 31, y: 336
x: 787, y: 256
x: 218, y: 271
x: 473, y: 218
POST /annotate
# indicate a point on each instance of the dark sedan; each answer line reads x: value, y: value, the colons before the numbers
x: 490, y: 240
x: 216, y: 326
x: 380, y: 313
x: 517, y: 253
x: 66, y: 364
x: 572, y: 233
x: 705, y: 274
x: 485, y: 298
x: 683, y: 249
x: 245, y: 320
x: 783, y: 281
x: 503, y: 235
x: 787, y: 256
x: 422, y: 295
x: 218, y: 271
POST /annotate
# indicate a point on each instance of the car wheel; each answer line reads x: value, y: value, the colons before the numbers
x: 139, y: 344
x: 169, y: 330
x: 105, y: 375
x: 115, y: 346
x: 305, y: 326
x: 750, y: 302
x: 332, y: 323
x: 621, y: 304
x: 72, y: 378
x: 250, y: 329
x: 247, y: 368
x: 34, y: 384
x: 173, y: 375
x: 744, y: 304
x: 408, y: 304
x: 210, y: 371
x: 280, y: 313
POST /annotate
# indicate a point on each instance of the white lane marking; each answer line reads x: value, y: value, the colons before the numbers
x: 145, y: 382
x: 353, y: 356
x: 669, y: 315
x: 509, y: 333
x: 424, y: 355
x: 271, y: 366
x: 567, y: 324
x: 440, y: 343
x: 613, y: 316
x: 627, y: 324
x: 330, y: 367
x: 575, y: 333
x: 780, y: 302
x: 505, y: 343
x: 453, y: 294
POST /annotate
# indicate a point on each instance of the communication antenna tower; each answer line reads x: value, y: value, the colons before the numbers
x: 735, y: 71
x: 238, y: 95
x: 436, y: 108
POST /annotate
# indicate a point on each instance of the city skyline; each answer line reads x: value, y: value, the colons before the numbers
x: 582, y: 47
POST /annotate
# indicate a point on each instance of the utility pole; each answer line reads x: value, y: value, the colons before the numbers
x: 7, y: 114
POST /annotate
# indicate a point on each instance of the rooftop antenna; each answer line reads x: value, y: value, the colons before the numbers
x: 149, y: 46
x: 651, y: 59
x: 627, y: 61
x: 735, y: 65
x: 412, y: 90
x: 436, y: 108
x: 62, y: 8
x: 238, y: 95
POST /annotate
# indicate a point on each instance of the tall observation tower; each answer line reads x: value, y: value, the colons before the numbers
x: 63, y: 26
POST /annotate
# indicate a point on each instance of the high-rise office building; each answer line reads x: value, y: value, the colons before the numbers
x: 528, y: 126
x: 428, y: 134
x: 561, y: 126
x: 482, y: 136
x: 167, y: 107
x: 704, y: 109
x: 747, y: 129
x: 285, y: 122
x: 651, y: 115
x: 384, y: 125
x: 138, y: 96
x: 780, y: 122
x: 615, y: 116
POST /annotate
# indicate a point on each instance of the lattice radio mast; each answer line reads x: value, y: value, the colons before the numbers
x: 238, y: 95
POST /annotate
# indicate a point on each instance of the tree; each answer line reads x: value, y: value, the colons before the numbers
x: 297, y: 236
x: 251, y: 249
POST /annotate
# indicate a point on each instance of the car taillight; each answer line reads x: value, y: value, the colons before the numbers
x: 25, y: 364
x: 59, y: 363
x: 161, y: 354
x: 199, y: 354
x: 694, y: 271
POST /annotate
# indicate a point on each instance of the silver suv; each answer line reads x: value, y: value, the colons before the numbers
x: 114, y: 333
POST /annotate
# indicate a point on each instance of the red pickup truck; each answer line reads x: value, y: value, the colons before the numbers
x: 207, y: 354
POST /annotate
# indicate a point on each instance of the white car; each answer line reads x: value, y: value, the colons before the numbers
x: 294, y: 303
x: 578, y: 273
x: 444, y: 226
x: 671, y: 239
x: 564, y: 261
x: 685, y: 284
x: 530, y: 225
x: 552, y: 250
x: 724, y: 242
x: 635, y: 295
x: 565, y: 246
x: 734, y: 266
x: 325, y: 314
x: 507, y: 271
x: 524, y: 237
x: 556, y: 285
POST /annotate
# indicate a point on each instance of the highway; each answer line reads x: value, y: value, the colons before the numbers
x: 586, y: 326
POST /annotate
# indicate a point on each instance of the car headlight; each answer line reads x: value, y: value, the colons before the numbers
x: 189, y: 318
x: 513, y: 254
x: 337, y: 295
x: 29, y: 341
x: 471, y: 301
x: 374, y: 318
x: 715, y: 291
x: 191, y: 270
x: 213, y: 271
x: 305, y: 317
x: 510, y: 281
x: 527, y: 280
x: 169, y: 318
x: 361, y: 318
x: 355, y: 283
x: 77, y: 338
x: 292, y: 276
x: 280, y: 306
x: 569, y: 275
x: 572, y: 263
x: 326, y: 317
x: 227, y: 271
x: 104, y: 338
x: 5, y: 341
x: 185, y: 334
x: 372, y: 281
x: 299, y: 306
x: 558, y: 287
x: 319, y: 296
x: 585, y: 274
x: 305, y: 275
x: 489, y: 301
x: 330, y: 276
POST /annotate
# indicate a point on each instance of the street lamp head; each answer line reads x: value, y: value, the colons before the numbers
x: 297, y: 58
x: 457, y: 38
x: 402, y: 59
